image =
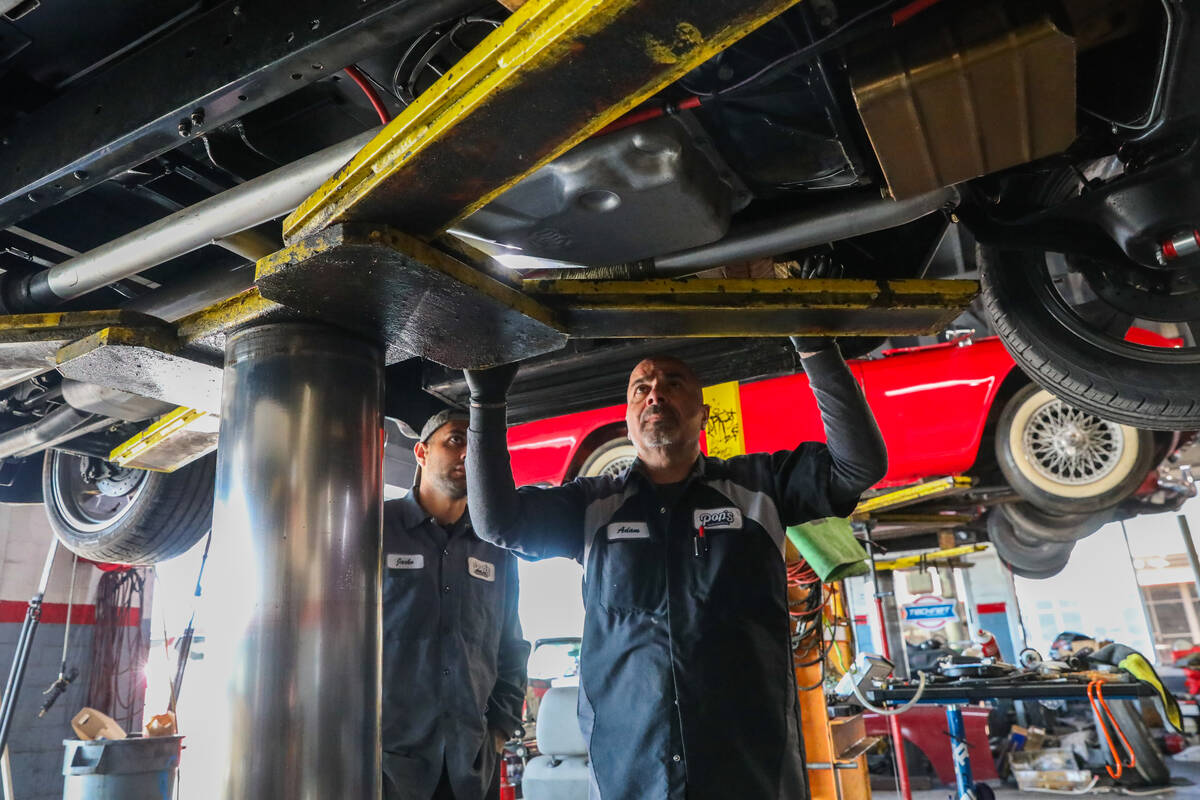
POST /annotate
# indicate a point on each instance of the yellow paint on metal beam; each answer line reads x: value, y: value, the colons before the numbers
x: 166, y: 426
x: 910, y: 494
x: 537, y: 37
x: 225, y: 316
x: 428, y: 257
x: 19, y: 324
x: 908, y: 562
x: 757, y: 293
x: 723, y: 434
x: 151, y: 338
x: 25, y: 322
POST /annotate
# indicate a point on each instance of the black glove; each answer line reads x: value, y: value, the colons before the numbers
x: 812, y: 344
x: 489, y: 387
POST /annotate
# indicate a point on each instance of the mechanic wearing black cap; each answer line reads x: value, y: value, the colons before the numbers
x: 453, y: 656
x: 687, y: 686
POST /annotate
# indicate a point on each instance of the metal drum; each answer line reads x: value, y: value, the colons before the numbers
x: 121, y: 769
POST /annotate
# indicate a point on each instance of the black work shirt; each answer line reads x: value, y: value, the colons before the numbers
x: 453, y: 656
x: 686, y: 674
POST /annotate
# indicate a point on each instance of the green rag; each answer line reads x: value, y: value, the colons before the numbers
x: 829, y: 547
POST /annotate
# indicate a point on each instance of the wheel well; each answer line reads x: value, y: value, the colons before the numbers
x: 985, y: 467
x: 605, y: 433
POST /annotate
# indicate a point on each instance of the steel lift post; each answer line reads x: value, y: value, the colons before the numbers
x: 299, y: 514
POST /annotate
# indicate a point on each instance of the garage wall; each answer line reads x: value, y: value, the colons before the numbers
x: 35, y: 745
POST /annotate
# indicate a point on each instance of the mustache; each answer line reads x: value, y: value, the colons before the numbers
x: 663, y: 411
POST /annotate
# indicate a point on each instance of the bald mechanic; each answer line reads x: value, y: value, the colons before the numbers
x: 687, y: 687
x: 453, y: 656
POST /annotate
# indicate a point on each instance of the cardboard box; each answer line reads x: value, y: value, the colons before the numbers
x: 1048, y: 769
x: 1026, y: 739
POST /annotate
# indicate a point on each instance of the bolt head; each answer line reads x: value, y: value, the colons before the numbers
x: 79, y: 175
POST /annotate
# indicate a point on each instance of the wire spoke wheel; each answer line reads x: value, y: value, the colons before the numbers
x: 610, y: 459
x: 1068, y: 461
x: 1072, y: 446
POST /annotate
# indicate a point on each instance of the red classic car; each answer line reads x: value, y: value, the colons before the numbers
x: 936, y: 406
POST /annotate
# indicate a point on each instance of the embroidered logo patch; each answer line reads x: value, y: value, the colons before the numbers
x: 401, y: 561
x: 628, y: 530
x: 484, y: 570
x: 715, y: 519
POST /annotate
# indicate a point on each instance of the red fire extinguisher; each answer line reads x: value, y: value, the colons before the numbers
x: 507, y: 790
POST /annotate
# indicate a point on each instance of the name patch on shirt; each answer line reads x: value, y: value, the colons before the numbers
x: 484, y: 570
x: 628, y: 530
x: 715, y: 519
x: 401, y: 561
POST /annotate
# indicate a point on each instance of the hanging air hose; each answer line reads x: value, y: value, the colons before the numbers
x: 64, y: 679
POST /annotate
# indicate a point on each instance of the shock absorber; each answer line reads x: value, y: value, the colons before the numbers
x: 1182, y: 244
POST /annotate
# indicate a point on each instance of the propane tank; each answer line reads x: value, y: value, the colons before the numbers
x: 987, y: 644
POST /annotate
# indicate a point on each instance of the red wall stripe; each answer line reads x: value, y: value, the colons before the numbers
x: 860, y: 619
x: 56, y: 613
x: 991, y: 608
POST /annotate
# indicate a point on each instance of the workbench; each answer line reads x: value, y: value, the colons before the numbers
x: 983, y: 690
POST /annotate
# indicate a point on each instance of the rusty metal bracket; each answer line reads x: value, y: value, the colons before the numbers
x: 414, y: 298
x: 696, y: 307
x: 553, y: 74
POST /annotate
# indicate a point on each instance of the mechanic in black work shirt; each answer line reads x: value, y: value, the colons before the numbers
x: 453, y: 657
x: 686, y: 681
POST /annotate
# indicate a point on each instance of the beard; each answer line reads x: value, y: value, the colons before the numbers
x: 451, y: 484
x: 662, y: 430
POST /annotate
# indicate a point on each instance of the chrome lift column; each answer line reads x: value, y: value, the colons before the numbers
x: 298, y: 513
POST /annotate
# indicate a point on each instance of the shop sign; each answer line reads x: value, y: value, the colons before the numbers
x: 930, y: 611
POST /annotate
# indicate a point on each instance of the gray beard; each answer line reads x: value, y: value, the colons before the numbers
x: 660, y: 435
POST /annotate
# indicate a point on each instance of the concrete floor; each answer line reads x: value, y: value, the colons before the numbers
x: 1185, y: 777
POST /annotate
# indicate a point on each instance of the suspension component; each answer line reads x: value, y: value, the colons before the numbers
x: 1182, y: 244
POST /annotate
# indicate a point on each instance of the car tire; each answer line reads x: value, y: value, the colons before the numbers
x: 1131, y: 388
x: 611, y: 458
x: 1108, y: 464
x: 1026, y: 556
x: 1150, y: 768
x: 1039, y: 524
x: 127, y: 516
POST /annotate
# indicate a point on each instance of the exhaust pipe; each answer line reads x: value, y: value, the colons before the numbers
x: 60, y: 424
x: 244, y: 206
x: 800, y: 230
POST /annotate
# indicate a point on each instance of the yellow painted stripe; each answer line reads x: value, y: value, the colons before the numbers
x: 906, y: 562
x: 170, y: 423
x: 908, y: 494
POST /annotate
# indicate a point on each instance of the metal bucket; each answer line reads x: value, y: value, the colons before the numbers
x: 121, y: 769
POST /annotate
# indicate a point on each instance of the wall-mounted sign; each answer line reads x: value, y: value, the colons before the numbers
x: 930, y: 611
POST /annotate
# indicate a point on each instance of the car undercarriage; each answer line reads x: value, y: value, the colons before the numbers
x: 574, y: 197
